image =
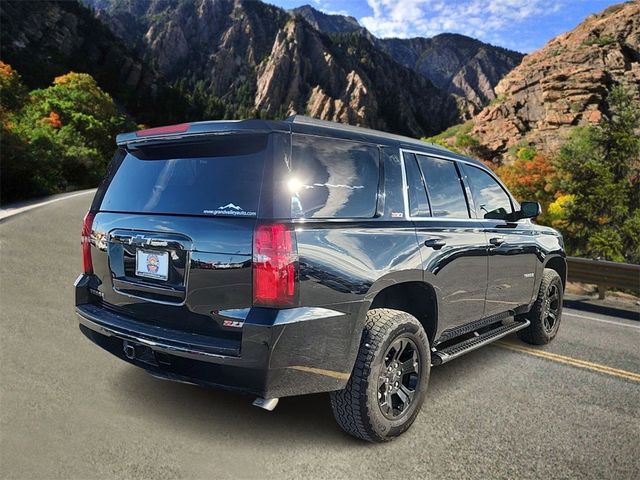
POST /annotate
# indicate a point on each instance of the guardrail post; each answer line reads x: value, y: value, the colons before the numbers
x: 601, y: 291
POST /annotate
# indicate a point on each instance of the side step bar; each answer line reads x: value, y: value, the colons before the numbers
x: 438, y: 357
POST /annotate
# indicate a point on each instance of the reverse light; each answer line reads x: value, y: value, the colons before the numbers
x: 275, y: 261
x: 87, y: 226
x: 179, y: 128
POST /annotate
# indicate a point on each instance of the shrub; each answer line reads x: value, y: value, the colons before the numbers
x: 55, y: 138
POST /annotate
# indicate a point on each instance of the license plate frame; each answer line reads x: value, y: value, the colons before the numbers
x: 152, y: 264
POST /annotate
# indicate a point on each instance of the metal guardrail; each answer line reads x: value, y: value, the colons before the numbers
x: 604, y: 273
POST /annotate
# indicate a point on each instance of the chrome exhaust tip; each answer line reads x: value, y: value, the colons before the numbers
x: 266, y: 403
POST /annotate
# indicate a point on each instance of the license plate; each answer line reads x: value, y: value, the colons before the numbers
x: 152, y: 264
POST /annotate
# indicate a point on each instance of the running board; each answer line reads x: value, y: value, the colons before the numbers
x: 438, y: 357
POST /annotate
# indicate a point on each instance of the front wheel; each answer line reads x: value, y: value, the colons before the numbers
x: 546, y: 312
x: 389, y: 380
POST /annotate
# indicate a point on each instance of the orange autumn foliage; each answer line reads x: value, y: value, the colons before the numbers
x: 5, y: 69
x: 529, y: 178
x: 54, y: 120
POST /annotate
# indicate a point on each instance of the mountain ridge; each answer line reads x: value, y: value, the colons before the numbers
x: 460, y: 65
x: 238, y: 58
x: 225, y: 50
x: 564, y: 84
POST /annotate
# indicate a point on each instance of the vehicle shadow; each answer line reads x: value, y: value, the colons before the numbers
x: 591, y: 306
x: 216, y: 413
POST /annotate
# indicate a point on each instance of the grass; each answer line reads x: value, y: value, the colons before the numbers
x: 600, y: 41
x: 458, y: 132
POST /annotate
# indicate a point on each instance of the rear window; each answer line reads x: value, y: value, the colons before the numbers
x: 333, y: 178
x: 216, y: 177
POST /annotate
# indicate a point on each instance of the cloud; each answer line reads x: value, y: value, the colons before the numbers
x: 492, y: 21
x: 326, y: 7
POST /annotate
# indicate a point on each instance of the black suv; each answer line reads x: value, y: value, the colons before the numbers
x: 289, y: 257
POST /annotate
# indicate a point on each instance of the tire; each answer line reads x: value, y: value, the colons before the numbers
x: 546, y: 313
x: 377, y: 404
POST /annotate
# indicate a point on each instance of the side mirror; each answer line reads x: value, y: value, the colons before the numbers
x: 529, y: 210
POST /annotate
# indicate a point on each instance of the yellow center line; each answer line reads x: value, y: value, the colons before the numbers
x: 596, y: 367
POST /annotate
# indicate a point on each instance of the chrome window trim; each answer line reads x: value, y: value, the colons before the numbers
x: 405, y: 189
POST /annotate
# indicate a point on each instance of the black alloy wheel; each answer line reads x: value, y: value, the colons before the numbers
x: 399, y: 377
x: 551, y: 308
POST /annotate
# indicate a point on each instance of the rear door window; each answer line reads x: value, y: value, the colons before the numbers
x: 333, y: 178
x: 490, y: 199
x: 216, y: 177
x: 444, y: 187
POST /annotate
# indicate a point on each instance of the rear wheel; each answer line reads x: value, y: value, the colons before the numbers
x: 389, y: 380
x: 546, y: 312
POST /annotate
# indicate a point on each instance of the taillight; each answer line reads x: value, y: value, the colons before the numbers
x: 275, y: 261
x: 87, y: 225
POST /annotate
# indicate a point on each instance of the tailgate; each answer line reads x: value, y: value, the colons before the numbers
x: 208, y: 269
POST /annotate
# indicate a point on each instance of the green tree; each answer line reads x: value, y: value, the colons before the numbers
x: 27, y: 168
x: 600, y: 167
x: 55, y: 138
x: 81, y: 120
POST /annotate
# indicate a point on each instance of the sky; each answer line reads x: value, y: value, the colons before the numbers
x: 522, y: 25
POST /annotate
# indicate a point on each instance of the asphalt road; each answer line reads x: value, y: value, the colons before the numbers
x: 70, y: 410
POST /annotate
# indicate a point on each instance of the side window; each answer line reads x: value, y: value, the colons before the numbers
x: 418, y: 203
x: 491, y: 201
x: 444, y: 187
x: 333, y: 178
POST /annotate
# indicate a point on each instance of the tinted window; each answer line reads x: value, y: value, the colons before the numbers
x: 333, y: 178
x: 418, y: 203
x: 490, y: 199
x: 444, y: 187
x: 219, y: 177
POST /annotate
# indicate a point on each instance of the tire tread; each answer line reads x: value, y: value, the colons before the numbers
x: 534, y: 334
x: 350, y: 405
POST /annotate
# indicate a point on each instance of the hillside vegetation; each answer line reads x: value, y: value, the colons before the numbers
x: 56, y: 138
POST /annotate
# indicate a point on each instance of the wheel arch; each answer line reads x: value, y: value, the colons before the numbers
x: 414, y: 297
x: 559, y: 264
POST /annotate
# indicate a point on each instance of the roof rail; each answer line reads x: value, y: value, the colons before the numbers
x: 305, y: 120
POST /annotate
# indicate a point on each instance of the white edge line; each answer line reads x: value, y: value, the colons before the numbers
x: 602, y: 320
x: 10, y: 212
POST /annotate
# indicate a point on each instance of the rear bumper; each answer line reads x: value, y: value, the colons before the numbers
x: 282, y: 352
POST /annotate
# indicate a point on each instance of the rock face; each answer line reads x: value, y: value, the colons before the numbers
x: 259, y: 59
x: 564, y: 84
x: 462, y: 66
x: 306, y: 72
x: 42, y: 40
x: 325, y: 22
x: 237, y: 58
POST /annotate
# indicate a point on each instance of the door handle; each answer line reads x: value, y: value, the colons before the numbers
x: 435, y: 243
x: 496, y: 241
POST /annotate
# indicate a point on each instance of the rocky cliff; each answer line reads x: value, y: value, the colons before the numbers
x: 238, y: 58
x: 252, y: 58
x: 347, y: 80
x: 327, y: 23
x: 42, y: 40
x: 464, y: 67
x: 459, y: 65
x: 562, y: 85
